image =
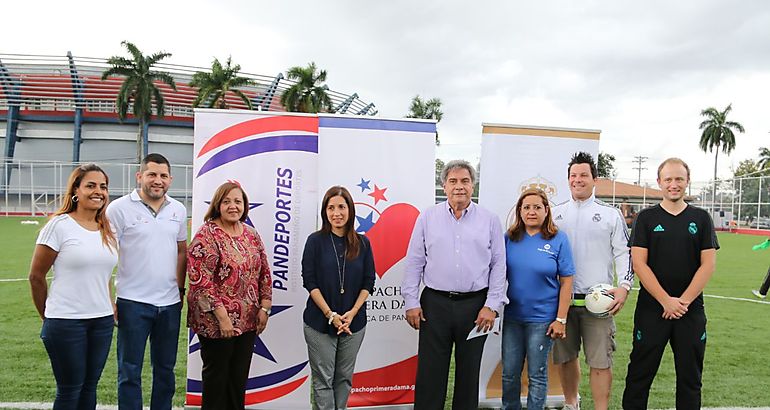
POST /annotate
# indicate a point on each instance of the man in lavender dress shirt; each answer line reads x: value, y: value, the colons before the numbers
x: 457, y: 251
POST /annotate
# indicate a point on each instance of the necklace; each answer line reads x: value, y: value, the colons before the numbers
x: 340, y: 271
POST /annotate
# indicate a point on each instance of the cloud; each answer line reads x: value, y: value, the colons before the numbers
x: 639, y: 71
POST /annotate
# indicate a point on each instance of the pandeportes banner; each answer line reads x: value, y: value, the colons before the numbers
x: 285, y: 163
x: 514, y: 158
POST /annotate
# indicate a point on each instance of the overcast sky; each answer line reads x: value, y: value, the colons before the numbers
x: 640, y: 71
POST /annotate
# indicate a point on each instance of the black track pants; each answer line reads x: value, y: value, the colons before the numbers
x: 687, y: 337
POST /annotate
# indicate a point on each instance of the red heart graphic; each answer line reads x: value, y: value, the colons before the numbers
x: 390, y: 235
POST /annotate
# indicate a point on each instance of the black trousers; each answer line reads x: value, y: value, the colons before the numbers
x: 687, y: 337
x: 225, y: 370
x: 447, y: 323
x: 765, y: 284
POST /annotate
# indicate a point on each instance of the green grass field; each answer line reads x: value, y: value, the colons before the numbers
x: 25, y: 372
x: 736, y: 368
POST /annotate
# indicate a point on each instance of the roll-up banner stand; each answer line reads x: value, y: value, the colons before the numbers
x: 285, y: 163
x: 515, y: 158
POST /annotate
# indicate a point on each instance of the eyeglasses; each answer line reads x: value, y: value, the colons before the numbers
x: 536, y: 208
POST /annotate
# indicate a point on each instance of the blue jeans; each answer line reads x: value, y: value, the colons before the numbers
x: 520, y: 340
x: 136, y: 322
x: 78, y: 349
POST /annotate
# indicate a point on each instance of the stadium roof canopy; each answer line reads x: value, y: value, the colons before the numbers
x: 46, y: 88
x: 51, y: 85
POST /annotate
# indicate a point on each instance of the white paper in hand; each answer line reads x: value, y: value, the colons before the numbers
x: 475, y: 332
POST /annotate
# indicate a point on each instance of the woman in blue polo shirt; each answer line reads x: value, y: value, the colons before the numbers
x: 539, y: 269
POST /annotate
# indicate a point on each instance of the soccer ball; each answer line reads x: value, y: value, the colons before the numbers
x: 598, y: 300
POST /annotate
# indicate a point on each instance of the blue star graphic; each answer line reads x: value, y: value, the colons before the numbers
x: 260, y: 348
x: 364, y: 185
x: 252, y: 205
x: 365, y: 224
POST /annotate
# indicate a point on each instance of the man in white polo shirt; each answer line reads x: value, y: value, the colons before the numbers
x: 151, y: 229
x: 599, y: 240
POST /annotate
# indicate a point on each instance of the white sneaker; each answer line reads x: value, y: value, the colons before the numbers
x: 571, y: 407
x: 757, y: 294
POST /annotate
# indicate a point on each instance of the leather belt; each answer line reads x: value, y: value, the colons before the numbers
x: 458, y: 295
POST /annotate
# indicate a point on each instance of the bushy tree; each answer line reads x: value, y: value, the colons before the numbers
x: 606, y: 165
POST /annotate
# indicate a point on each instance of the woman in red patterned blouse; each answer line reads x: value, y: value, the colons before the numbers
x: 230, y: 296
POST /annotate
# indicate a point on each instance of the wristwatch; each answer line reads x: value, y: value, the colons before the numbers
x: 562, y: 320
x: 626, y: 286
x: 266, y: 310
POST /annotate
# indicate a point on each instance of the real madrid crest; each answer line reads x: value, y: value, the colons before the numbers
x: 537, y: 182
x: 540, y: 183
x: 596, y: 217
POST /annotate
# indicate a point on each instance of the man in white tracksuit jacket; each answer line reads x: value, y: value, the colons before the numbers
x: 599, y: 240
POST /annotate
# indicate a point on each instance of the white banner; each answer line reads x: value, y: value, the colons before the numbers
x: 279, y: 160
x: 274, y: 158
x: 388, y: 168
x: 514, y: 158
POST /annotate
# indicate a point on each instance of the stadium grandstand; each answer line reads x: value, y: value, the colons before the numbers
x: 56, y: 111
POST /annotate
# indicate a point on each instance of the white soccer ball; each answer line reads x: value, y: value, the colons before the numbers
x: 599, y: 300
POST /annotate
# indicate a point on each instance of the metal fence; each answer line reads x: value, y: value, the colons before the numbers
x: 736, y: 203
x: 739, y: 202
x: 35, y: 187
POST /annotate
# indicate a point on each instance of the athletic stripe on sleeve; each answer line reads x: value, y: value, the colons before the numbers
x: 49, y: 229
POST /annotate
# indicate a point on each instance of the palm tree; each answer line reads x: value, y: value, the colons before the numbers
x: 308, y: 94
x: 139, y: 88
x: 214, y: 86
x: 764, y: 158
x: 718, y: 132
x: 427, y: 110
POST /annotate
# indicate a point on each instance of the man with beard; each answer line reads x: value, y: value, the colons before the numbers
x: 151, y: 228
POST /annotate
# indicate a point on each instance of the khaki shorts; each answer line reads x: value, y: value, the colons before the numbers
x: 597, y: 334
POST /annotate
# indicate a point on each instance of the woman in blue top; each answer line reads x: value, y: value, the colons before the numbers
x: 539, y: 269
x: 338, y: 271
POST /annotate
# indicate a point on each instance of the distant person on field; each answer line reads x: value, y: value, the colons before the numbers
x: 539, y: 269
x: 762, y: 291
x: 599, y: 239
x: 673, y: 249
x: 77, y: 310
x: 457, y: 251
x: 151, y: 229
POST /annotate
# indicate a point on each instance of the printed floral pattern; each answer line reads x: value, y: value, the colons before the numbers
x: 226, y: 271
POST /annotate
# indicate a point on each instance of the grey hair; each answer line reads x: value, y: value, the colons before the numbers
x: 455, y: 164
